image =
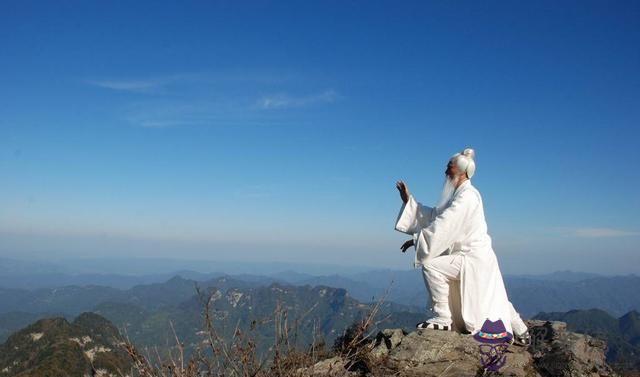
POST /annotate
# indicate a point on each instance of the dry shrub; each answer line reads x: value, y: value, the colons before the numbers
x: 357, y: 341
x: 216, y: 356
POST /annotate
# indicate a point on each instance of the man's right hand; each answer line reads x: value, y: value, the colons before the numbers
x: 404, y: 191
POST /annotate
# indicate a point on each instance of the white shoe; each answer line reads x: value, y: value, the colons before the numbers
x: 523, y: 339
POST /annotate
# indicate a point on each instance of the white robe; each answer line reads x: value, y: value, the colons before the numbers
x: 460, y: 227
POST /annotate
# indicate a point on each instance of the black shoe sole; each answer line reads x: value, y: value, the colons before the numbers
x: 435, y: 327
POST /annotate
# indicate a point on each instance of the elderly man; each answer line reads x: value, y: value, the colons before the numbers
x: 459, y: 266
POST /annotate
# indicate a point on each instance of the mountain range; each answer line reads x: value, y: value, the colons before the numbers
x: 555, y: 292
x: 146, y: 310
x: 144, y: 304
x: 328, y: 305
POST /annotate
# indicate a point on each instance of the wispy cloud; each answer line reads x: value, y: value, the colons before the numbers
x: 146, y: 85
x: 128, y: 86
x: 599, y: 232
x: 215, y: 112
x: 284, y: 101
x: 194, y: 99
x: 160, y: 84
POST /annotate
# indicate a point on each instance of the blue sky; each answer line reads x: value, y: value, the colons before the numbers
x: 274, y: 131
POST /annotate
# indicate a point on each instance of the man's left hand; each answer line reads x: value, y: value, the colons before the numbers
x: 406, y: 245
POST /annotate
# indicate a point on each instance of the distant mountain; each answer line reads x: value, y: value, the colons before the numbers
x: 19, y: 274
x: 15, y: 267
x: 140, y: 266
x: 629, y: 325
x: 558, y: 291
x: 12, y: 321
x: 145, y: 310
x: 555, y: 292
x: 622, y: 334
x: 616, y: 294
x: 89, y: 346
x: 404, y: 287
x: 358, y: 289
x: 72, y: 300
x: 565, y: 275
x: 292, y: 277
x: 329, y: 310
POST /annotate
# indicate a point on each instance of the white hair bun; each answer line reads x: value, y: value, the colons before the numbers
x: 469, y: 153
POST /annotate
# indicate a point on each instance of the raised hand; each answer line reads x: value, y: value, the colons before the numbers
x: 404, y: 191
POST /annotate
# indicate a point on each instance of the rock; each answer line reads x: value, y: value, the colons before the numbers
x: 387, y: 339
x: 557, y: 352
x: 333, y: 367
x: 554, y: 352
x: 440, y: 353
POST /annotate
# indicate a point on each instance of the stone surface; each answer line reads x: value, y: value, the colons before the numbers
x: 333, y: 367
x: 554, y: 352
x: 557, y: 352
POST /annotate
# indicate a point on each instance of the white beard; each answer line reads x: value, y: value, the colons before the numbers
x: 447, y: 192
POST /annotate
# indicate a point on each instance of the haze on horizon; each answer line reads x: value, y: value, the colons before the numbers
x: 274, y: 132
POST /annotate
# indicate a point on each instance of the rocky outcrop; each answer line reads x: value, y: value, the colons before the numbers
x: 558, y: 352
x: 88, y: 346
x: 554, y: 352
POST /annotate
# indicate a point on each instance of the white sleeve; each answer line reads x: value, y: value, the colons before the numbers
x: 447, y: 227
x: 413, y: 216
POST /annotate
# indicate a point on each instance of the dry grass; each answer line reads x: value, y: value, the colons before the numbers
x: 216, y: 356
